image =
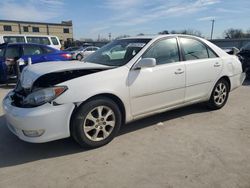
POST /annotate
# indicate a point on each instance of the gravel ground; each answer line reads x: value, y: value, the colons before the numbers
x: 188, y: 147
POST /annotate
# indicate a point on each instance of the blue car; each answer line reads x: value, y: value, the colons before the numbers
x: 10, y: 53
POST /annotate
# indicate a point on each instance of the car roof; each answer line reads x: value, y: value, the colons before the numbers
x: 160, y: 36
x: 32, y: 44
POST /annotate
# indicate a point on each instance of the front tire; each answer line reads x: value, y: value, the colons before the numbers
x: 219, y: 95
x: 96, y: 122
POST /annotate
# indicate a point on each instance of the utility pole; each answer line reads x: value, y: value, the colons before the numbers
x: 212, y: 29
x: 109, y: 36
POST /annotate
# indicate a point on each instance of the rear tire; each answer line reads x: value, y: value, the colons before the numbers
x: 219, y: 95
x: 96, y: 122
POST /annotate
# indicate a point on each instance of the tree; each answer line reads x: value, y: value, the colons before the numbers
x: 163, y: 32
x: 140, y: 34
x: 234, y: 33
x: 191, y: 32
x: 187, y: 32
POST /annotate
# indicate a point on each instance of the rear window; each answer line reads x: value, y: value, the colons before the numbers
x: 54, y: 41
x: 38, y: 40
x: 13, y: 39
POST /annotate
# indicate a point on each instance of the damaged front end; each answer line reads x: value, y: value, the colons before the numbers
x: 31, y: 93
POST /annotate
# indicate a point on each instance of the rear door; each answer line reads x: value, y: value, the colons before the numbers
x: 203, y: 67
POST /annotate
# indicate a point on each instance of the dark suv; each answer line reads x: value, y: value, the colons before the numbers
x: 244, y: 56
x: 10, y: 53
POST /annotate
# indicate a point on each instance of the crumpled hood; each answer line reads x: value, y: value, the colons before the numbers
x: 32, y: 72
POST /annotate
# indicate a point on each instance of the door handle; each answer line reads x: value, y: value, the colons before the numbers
x: 217, y: 64
x: 179, y: 71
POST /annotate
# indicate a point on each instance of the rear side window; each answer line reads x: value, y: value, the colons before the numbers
x: 13, y: 39
x: 211, y: 54
x: 47, y: 50
x: 88, y: 49
x: 38, y: 40
x: 54, y: 41
x: 32, y: 50
x: 164, y: 51
x: 12, y: 52
x: 193, y: 49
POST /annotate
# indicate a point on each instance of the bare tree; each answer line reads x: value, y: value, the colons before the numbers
x: 163, y: 32
x: 187, y: 32
x: 122, y: 36
x: 140, y: 34
x: 234, y: 33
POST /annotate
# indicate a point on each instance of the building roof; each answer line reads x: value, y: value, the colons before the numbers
x: 63, y: 23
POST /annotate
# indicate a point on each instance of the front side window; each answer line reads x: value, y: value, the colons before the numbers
x: 193, y: 49
x: 13, y: 39
x: 126, y: 49
x: 32, y: 50
x: 12, y: 52
x: 164, y: 51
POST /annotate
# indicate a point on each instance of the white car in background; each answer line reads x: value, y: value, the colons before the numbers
x: 83, y: 52
x: 90, y: 101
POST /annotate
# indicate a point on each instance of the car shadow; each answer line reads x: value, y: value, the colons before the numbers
x: 13, y: 151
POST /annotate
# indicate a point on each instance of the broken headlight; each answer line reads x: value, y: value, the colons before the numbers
x: 43, y: 96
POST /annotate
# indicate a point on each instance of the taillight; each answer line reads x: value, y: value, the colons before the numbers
x: 67, y: 56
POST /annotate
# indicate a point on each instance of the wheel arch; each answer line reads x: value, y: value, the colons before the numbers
x: 113, y: 97
x: 228, y: 81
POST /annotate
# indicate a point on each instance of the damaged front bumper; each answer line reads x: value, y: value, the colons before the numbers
x: 38, y: 124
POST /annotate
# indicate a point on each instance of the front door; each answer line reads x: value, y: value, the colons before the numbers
x: 161, y: 86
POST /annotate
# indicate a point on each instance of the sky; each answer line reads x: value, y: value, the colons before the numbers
x: 131, y: 17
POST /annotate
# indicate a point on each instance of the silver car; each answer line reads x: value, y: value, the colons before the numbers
x: 83, y: 52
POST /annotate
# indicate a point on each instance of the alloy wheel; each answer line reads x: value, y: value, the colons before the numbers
x: 220, y: 94
x: 99, y: 123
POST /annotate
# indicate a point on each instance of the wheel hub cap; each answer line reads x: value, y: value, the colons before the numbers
x: 99, y: 123
x: 220, y: 94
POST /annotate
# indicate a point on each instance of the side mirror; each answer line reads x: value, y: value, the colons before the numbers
x: 145, y: 63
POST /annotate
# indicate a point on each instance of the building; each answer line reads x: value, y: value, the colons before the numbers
x: 63, y: 30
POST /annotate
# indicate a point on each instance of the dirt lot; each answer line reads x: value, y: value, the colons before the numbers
x: 189, y: 147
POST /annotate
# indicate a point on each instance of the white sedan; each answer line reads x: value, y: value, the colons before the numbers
x: 90, y: 101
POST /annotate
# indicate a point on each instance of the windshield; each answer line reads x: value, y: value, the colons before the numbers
x: 118, y: 52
